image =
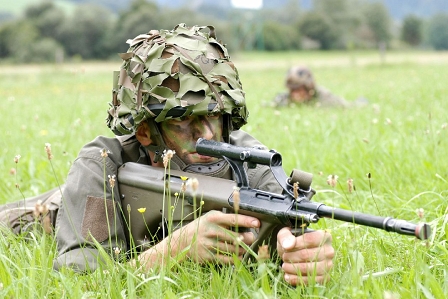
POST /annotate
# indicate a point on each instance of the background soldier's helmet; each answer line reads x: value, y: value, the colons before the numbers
x: 300, y: 76
x: 171, y: 74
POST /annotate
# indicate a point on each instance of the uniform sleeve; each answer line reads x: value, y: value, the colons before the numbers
x: 90, y: 212
x: 281, y: 100
x: 261, y: 178
x: 327, y: 99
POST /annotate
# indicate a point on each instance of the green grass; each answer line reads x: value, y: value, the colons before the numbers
x: 400, y: 139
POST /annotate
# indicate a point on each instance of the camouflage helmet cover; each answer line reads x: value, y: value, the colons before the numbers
x: 300, y: 76
x: 170, y: 74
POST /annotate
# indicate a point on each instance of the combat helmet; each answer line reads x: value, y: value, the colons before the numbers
x: 300, y: 76
x: 174, y: 73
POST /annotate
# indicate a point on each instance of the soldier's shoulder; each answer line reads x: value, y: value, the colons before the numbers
x: 281, y: 99
x: 244, y: 139
x: 326, y: 98
x: 102, y: 146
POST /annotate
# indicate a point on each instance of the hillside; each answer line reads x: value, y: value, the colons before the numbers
x: 398, y: 8
x: 12, y: 9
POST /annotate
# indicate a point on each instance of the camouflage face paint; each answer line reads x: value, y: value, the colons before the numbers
x: 181, y: 135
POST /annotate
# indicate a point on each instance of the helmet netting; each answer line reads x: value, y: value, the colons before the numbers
x: 175, y: 73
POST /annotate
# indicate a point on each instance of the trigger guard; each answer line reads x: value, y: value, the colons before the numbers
x: 300, y: 231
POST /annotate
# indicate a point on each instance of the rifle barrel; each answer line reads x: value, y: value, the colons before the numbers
x: 422, y: 230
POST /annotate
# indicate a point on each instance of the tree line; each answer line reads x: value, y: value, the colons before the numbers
x: 46, y: 33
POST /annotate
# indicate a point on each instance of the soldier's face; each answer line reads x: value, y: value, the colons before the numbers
x: 181, y: 135
x: 299, y: 95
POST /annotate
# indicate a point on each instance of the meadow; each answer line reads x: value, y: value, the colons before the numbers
x: 394, y: 149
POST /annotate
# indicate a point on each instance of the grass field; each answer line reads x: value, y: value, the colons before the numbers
x: 400, y: 138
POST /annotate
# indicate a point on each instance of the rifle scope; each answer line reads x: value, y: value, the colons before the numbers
x: 253, y: 155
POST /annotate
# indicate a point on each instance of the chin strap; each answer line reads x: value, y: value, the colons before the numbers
x: 226, y: 127
x: 158, y: 145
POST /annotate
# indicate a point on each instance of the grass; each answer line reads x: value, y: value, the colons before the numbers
x: 400, y: 139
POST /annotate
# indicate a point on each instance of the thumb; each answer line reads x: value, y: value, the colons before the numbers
x: 286, y: 239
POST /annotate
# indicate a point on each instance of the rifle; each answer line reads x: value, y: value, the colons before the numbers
x: 143, y: 186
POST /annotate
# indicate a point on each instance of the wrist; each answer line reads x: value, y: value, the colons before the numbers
x: 160, y: 253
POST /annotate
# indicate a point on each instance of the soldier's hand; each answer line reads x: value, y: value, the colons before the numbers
x: 306, y: 258
x: 211, y: 239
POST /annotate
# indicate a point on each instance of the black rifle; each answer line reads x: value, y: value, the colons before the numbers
x: 153, y: 188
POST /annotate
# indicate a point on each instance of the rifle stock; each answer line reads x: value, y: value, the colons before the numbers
x: 143, y: 186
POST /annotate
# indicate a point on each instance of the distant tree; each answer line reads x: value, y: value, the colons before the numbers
x: 84, y: 33
x: 437, y: 33
x: 277, y: 37
x: 46, y: 16
x: 216, y: 10
x: 411, y: 31
x: 21, y: 42
x: 5, y: 31
x: 378, y: 19
x: 113, y: 5
x: 172, y: 17
x: 32, y: 38
x: 46, y: 49
x: 140, y: 17
x: 36, y: 10
x: 317, y: 27
x: 364, y: 37
x: 21, y: 36
x: 286, y: 14
x: 344, y: 17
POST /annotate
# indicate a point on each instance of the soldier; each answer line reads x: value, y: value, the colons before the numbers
x: 173, y: 88
x: 302, y: 89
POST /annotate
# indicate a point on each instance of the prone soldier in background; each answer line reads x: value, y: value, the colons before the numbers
x: 302, y: 89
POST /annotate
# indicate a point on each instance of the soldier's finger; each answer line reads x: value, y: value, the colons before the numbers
x: 248, y: 238
x: 233, y: 220
x: 286, y: 239
x: 309, y: 240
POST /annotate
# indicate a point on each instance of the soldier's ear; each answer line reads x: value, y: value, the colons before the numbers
x: 143, y: 134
